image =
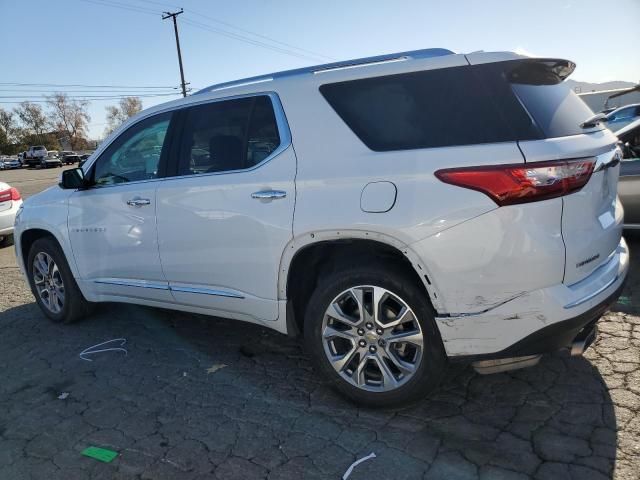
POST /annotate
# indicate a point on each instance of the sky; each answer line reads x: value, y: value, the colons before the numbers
x: 126, y: 44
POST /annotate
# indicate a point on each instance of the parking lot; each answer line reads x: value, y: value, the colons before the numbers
x: 200, y: 397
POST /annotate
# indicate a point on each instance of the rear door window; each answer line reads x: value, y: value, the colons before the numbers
x: 227, y: 135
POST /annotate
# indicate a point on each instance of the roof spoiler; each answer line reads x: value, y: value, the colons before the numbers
x: 540, y: 71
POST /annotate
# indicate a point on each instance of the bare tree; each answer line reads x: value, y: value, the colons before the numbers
x: 9, y: 125
x: 33, y: 119
x: 70, y: 117
x: 118, y: 114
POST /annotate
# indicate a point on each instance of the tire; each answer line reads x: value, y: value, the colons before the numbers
x: 401, y: 292
x: 6, y: 241
x: 74, y: 306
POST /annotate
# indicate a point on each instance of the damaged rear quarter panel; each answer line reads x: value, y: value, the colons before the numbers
x: 496, y: 257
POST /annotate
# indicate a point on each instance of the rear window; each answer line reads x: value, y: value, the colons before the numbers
x: 540, y: 87
x: 435, y: 108
x: 495, y: 102
x: 557, y: 111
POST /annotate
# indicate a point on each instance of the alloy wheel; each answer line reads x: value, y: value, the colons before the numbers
x: 48, y: 282
x: 372, y: 338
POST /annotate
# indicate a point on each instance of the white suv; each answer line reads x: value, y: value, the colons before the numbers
x: 399, y: 211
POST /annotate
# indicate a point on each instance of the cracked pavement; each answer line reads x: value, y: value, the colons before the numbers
x: 266, y: 415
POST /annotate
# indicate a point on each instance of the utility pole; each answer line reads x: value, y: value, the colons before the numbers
x: 175, y: 29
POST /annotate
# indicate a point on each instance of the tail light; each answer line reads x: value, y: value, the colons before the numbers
x: 10, y: 194
x: 522, y: 183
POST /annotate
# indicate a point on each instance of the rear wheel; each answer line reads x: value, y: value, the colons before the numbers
x: 52, y: 283
x: 371, y: 331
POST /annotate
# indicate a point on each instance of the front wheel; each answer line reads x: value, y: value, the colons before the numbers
x: 52, y: 283
x: 371, y: 332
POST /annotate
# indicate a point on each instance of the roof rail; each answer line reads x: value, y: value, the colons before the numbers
x: 359, y: 62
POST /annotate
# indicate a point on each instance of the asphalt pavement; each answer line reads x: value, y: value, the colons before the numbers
x: 208, y: 398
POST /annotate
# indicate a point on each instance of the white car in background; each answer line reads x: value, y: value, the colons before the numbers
x: 400, y: 212
x: 37, y: 151
x: 10, y: 203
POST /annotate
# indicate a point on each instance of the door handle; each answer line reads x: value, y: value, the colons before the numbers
x: 138, y: 202
x: 269, y: 194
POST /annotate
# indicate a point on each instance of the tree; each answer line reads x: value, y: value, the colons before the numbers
x: 118, y: 114
x: 8, y: 125
x: 70, y: 118
x: 34, y: 121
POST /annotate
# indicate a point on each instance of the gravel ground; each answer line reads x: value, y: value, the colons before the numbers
x: 199, y: 397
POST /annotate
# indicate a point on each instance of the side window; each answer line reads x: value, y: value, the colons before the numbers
x: 425, y: 109
x: 228, y: 135
x: 263, y: 137
x: 135, y: 154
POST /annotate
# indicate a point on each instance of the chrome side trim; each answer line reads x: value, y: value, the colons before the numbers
x: 206, y: 291
x: 133, y: 283
x: 173, y: 288
x: 592, y: 294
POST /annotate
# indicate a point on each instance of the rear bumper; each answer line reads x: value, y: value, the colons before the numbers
x: 536, y: 322
x: 552, y: 337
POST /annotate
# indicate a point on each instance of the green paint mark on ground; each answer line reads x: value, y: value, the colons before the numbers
x: 624, y: 300
x: 101, y: 454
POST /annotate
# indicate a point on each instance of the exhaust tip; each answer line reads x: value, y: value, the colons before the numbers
x: 583, y: 341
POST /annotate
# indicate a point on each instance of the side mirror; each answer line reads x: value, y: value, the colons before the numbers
x: 73, y: 179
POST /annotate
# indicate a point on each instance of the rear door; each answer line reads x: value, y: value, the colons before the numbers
x: 592, y: 216
x: 226, y: 215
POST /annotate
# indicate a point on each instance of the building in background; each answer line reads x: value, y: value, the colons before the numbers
x: 600, y: 100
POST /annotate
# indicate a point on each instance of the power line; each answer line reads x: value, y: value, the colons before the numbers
x: 204, y: 26
x: 123, y: 6
x: 242, y: 38
x: 311, y: 52
x: 92, y: 97
x: 54, y: 92
x: 265, y: 37
x: 82, y: 85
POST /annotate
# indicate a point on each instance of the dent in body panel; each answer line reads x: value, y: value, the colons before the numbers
x: 496, y: 257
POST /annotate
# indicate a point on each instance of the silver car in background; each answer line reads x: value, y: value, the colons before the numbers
x: 8, y: 163
x: 629, y: 184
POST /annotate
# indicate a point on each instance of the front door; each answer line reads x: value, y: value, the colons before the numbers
x: 112, y: 224
x: 226, y: 216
